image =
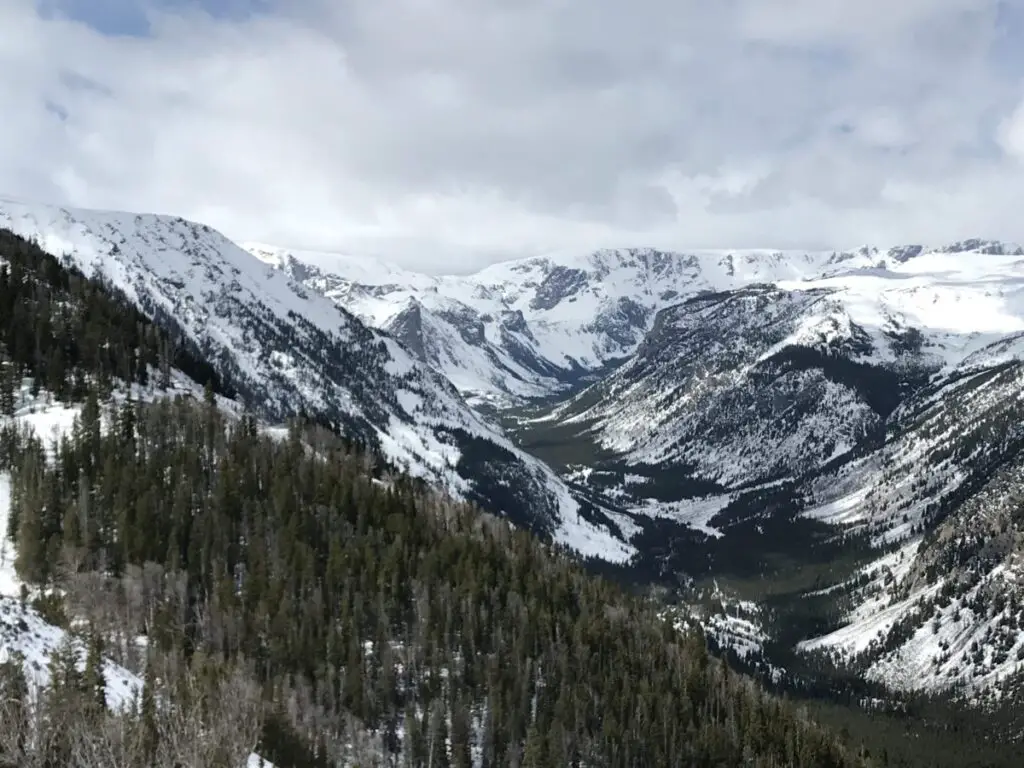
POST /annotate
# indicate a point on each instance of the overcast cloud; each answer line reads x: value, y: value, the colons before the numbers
x: 443, y: 134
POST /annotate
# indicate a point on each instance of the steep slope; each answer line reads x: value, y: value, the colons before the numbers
x: 443, y: 332
x: 204, y: 541
x: 538, y: 326
x: 287, y: 350
x: 852, y: 442
x: 24, y: 632
x: 776, y: 382
x: 945, y: 607
x: 744, y: 387
x: 440, y: 613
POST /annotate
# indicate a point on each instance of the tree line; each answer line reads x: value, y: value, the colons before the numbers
x: 70, y: 333
x: 349, y: 619
x: 381, y: 608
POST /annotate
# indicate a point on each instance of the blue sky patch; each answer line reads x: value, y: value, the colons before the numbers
x: 128, y: 17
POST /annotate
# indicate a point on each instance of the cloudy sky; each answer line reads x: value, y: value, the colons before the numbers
x: 443, y: 134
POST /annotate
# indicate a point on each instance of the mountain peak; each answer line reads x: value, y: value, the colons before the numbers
x: 288, y: 349
x: 978, y: 245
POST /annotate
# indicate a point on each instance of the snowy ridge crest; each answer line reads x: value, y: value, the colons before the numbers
x: 287, y: 349
x: 538, y: 326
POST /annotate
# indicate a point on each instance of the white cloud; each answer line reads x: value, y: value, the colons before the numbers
x: 1011, y: 134
x: 446, y: 133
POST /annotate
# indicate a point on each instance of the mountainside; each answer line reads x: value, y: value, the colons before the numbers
x: 541, y: 326
x: 428, y: 633
x: 535, y: 327
x: 386, y: 623
x: 183, y: 584
x: 288, y: 350
x: 808, y: 369
x: 745, y: 387
x: 847, y: 416
x: 851, y: 441
x: 945, y: 608
x: 831, y: 437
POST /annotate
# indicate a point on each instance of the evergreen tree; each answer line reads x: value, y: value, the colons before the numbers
x: 354, y: 604
x: 94, y: 682
x: 15, y: 722
x: 437, y: 736
x: 148, y: 714
x: 461, y: 735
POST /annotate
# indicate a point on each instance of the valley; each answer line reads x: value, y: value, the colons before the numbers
x: 806, y: 431
x: 814, y: 460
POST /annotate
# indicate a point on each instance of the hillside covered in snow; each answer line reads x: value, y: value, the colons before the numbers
x: 287, y: 350
x: 239, y: 586
x: 536, y: 327
x: 833, y: 437
x: 745, y: 396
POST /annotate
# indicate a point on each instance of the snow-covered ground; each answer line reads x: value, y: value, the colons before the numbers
x: 949, y: 646
x: 22, y: 629
x: 9, y: 583
x: 591, y: 308
x: 298, y: 350
x: 958, y: 629
x: 734, y: 625
x: 876, y: 611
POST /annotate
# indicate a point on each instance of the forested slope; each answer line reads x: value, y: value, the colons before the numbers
x: 350, y: 620
x: 72, y: 334
x: 381, y: 607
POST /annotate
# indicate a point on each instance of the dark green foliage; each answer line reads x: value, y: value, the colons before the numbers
x: 65, y: 329
x: 354, y: 605
x: 883, y: 389
x: 385, y: 601
x: 15, y: 716
x: 491, y: 465
x: 51, y: 608
x: 94, y: 685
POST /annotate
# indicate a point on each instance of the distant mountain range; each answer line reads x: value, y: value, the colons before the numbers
x: 749, y: 397
x: 288, y: 350
x: 535, y: 327
x: 835, y: 436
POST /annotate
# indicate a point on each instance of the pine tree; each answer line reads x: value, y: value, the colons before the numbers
x: 534, y: 753
x: 461, y: 733
x: 14, y: 706
x: 63, y: 700
x: 148, y: 714
x: 94, y: 681
x: 413, y: 742
x: 437, y: 736
x: 65, y: 679
x: 8, y: 386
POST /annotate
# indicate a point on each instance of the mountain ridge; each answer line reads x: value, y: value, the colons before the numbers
x: 732, y: 415
x: 524, y: 330
x: 856, y: 396
x: 287, y: 350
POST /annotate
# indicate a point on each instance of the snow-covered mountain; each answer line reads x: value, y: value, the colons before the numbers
x: 536, y: 327
x: 773, y: 382
x: 743, y: 387
x: 875, y: 391
x: 287, y: 350
x: 882, y: 398
x: 532, y: 328
x: 944, y: 606
x: 739, y: 414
